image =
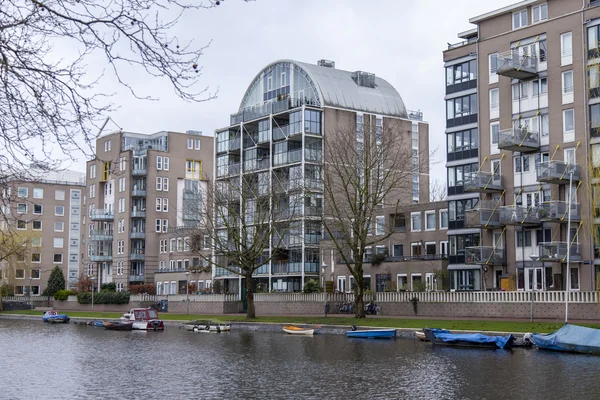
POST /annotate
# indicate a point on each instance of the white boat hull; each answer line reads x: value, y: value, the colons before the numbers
x: 299, y: 331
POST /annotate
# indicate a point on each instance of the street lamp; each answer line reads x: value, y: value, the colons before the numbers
x: 187, y: 290
x: 534, y: 258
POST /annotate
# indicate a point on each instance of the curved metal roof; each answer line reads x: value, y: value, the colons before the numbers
x: 337, y: 89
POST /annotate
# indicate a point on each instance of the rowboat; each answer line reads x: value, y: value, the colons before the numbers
x: 295, y: 330
x: 118, y: 325
x: 570, y: 338
x: 372, y: 333
x: 206, y: 326
x: 476, y: 340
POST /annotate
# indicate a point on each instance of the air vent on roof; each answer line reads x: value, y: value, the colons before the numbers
x: 365, y: 79
x: 326, y: 63
x: 191, y: 132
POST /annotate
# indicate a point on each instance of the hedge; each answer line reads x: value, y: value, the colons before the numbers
x: 63, y: 295
x: 104, y: 298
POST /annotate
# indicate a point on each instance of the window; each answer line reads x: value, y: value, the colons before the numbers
x: 543, y: 50
x: 172, y: 247
x: 92, y: 191
x: 495, y: 132
x: 22, y: 208
x: 494, y: 99
x: 165, y: 225
x: 568, y: 121
x: 159, y: 162
x: 107, y: 146
x: 165, y: 207
x: 464, y: 72
x: 159, y: 184
x: 37, y: 209
x: 121, y: 226
x: 59, y: 194
x: 120, y: 247
x: 190, y: 143
x: 21, y: 224
x: 36, y: 274
x: 122, y: 205
x: 37, y: 225
x: 36, y: 258
x: 523, y: 238
x: 193, y: 169
x: 197, y: 144
x: 36, y: 242
x: 461, y: 106
x: 38, y: 193
x: 23, y: 192
x: 165, y: 184
x: 20, y: 274
x: 92, y: 172
x: 58, y: 243
x: 122, y: 164
x: 59, y: 210
x: 415, y: 220
x: 430, y: 223
x: 165, y: 163
x: 158, y: 204
x: 379, y: 225
x: 443, y: 219
x: 520, y: 19
x: 567, y: 82
x: 539, y: 13
x: 493, y: 59
x: 157, y: 226
x: 566, y: 48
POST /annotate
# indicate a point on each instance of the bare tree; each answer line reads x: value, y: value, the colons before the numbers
x: 367, y: 170
x: 51, y: 98
x: 437, y: 190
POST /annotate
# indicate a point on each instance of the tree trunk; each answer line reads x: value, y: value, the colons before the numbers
x: 250, y: 313
x: 359, y: 291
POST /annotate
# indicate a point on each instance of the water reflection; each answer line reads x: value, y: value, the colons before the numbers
x: 76, y: 361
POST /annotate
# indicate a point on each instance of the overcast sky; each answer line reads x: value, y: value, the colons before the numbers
x: 399, y: 40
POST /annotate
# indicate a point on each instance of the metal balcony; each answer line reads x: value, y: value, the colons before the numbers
x: 138, y: 214
x: 482, y: 218
x: 101, y: 235
x: 557, y: 172
x: 557, y: 252
x: 136, y: 278
x: 483, y: 182
x: 558, y: 211
x: 137, y: 256
x: 518, y: 66
x: 519, y: 215
x: 522, y: 140
x: 102, y: 215
x: 101, y: 257
x: 139, y: 172
x: 137, y: 235
x: 485, y: 255
x: 135, y: 192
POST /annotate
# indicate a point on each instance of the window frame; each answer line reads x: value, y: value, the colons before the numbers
x: 538, y: 9
x: 564, y: 120
x: 412, y: 221
x: 428, y: 213
x: 442, y: 211
x: 520, y: 14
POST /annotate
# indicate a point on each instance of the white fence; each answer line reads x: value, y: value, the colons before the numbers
x: 488, y: 297
x: 182, y: 297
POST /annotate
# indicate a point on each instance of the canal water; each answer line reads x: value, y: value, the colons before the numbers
x: 41, y: 361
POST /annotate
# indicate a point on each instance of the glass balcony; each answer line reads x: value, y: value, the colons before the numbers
x: 105, y: 257
x: 102, y: 215
x: 138, y: 192
x: 482, y: 218
x: 139, y: 172
x: 483, y: 182
x: 137, y: 235
x: 138, y: 214
x: 557, y: 252
x: 557, y: 172
x: 101, y: 235
x: 136, y: 278
x: 137, y: 255
x: 514, y: 64
x: 558, y: 211
x: 518, y: 139
x: 519, y: 215
x: 485, y: 255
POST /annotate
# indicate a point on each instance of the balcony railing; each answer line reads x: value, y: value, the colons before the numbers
x: 136, y: 278
x: 139, y: 171
x: 519, y: 215
x: 485, y: 255
x: 262, y: 110
x: 137, y: 255
x: 517, y: 65
x: 102, y: 257
x: 518, y: 139
x: 288, y: 157
x: 102, y: 215
x: 558, y: 211
x: 483, y: 182
x: 557, y: 252
x: 101, y: 235
x: 557, y: 172
x: 138, y: 192
x: 228, y: 170
x: 281, y: 132
x: 482, y: 218
x: 137, y: 235
x: 138, y: 213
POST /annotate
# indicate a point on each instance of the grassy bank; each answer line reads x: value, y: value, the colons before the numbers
x: 468, y: 325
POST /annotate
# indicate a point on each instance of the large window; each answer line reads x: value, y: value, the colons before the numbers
x: 193, y: 169
x: 539, y: 13
x: 456, y: 176
x: 312, y: 122
x: 595, y: 120
x: 462, y: 110
x: 415, y: 220
x: 430, y: 223
x: 461, y: 76
x: 458, y: 244
x: 456, y: 211
x: 520, y: 19
x: 463, y: 141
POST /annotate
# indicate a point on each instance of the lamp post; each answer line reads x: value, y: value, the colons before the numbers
x: 187, y: 290
x: 30, y: 298
x: 534, y: 258
x: 323, y: 270
x: 92, y: 278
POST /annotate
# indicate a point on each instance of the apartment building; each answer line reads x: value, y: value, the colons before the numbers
x: 44, y: 212
x: 275, y: 144
x: 138, y: 188
x: 522, y: 112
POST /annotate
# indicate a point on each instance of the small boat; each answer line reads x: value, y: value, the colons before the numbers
x: 96, y: 324
x: 371, y: 333
x: 476, y: 340
x: 570, y: 338
x: 118, y: 325
x: 421, y: 335
x: 145, y: 319
x: 206, y: 326
x: 526, y: 341
x: 295, y: 330
x: 52, y: 316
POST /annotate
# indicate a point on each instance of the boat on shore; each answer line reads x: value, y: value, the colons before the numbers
x: 570, y: 338
x: 475, y: 340
x: 202, y: 325
x: 371, y: 333
x: 145, y: 319
x: 296, y: 330
x: 117, y: 325
x: 53, y: 317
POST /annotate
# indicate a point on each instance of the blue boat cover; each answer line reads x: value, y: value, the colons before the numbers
x: 473, y: 338
x: 573, y: 338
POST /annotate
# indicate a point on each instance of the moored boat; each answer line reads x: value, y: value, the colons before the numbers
x: 570, y: 338
x: 206, y: 326
x: 118, y: 325
x: 145, y: 319
x: 421, y: 335
x: 96, y: 324
x: 295, y: 330
x: 52, y: 316
x: 476, y: 340
x: 371, y: 333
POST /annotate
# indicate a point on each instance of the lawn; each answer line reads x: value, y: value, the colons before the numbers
x: 468, y: 325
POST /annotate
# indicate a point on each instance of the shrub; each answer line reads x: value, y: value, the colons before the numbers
x: 103, y: 298
x: 56, y: 282
x: 62, y: 295
x: 142, y: 288
x: 7, y: 290
x: 108, y: 287
x: 311, y: 286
